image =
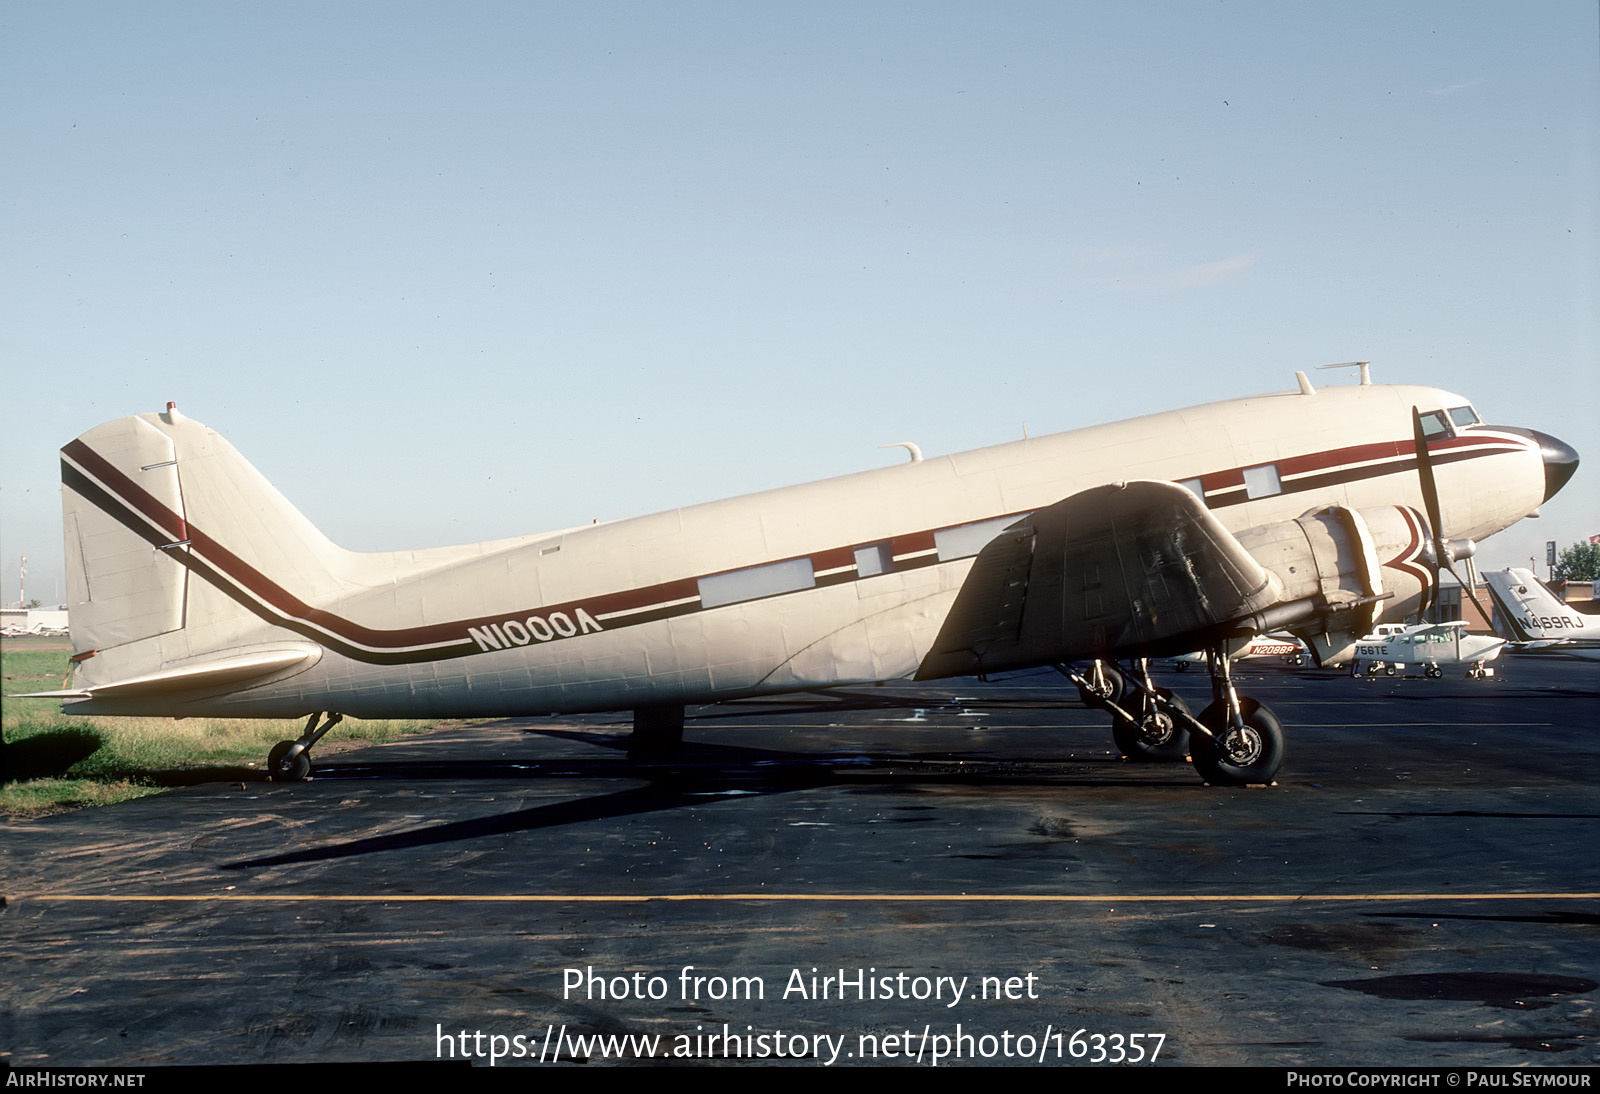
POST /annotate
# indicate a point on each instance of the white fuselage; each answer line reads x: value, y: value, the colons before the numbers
x: 839, y: 581
x: 1429, y: 646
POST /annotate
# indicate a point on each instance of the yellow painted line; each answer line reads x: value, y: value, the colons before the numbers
x: 924, y: 898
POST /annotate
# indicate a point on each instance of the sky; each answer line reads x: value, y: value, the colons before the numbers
x: 456, y: 272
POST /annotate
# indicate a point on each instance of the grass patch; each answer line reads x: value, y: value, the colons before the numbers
x: 52, y: 761
x: 34, y: 670
x: 39, y: 797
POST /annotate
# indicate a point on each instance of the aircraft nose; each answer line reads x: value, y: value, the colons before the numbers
x: 1560, y: 462
x: 1560, y: 458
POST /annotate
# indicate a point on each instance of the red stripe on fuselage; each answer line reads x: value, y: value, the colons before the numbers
x: 269, y: 593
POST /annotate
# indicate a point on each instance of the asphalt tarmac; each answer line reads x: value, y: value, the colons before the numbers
x: 948, y: 874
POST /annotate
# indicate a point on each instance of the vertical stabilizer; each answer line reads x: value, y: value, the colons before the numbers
x: 1528, y: 612
x: 170, y: 536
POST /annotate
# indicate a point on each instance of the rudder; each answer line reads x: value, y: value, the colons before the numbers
x: 140, y: 497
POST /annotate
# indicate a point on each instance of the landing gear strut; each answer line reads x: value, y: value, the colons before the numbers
x: 1235, y: 741
x: 1154, y: 730
x: 1101, y: 684
x: 1242, y: 741
x: 1147, y: 722
x: 290, y: 761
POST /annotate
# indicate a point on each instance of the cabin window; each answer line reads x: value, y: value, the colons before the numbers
x: 1262, y: 481
x: 875, y: 558
x: 756, y: 582
x: 1194, y: 487
x: 966, y: 540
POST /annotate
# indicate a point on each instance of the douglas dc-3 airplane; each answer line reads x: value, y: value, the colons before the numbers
x: 196, y: 589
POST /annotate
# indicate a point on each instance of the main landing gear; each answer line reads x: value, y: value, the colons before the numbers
x: 1148, y: 722
x: 290, y: 761
x: 1236, y: 741
x: 657, y: 732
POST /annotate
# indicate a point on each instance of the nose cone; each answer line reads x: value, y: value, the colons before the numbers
x: 1560, y: 458
x: 1560, y: 462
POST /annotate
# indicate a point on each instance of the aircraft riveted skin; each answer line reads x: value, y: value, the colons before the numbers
x: 846, y: 580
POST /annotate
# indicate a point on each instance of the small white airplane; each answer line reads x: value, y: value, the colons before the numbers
x: 1286, y: 646
x: 1535, y: 618
x: 17, y: 630
x: 196, y: 589
x: 1428, y: 645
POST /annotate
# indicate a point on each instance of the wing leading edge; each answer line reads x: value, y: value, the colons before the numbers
x: 1133, y: 569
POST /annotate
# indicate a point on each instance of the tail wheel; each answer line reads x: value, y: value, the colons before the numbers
x: 1251, y: 754
x: 1156, y: 736
x: 283, y: 768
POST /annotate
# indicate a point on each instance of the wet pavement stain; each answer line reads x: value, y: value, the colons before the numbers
x: 1053, y: 828
x: 1577, y: 919
x: 1368, y: 940
x: 1525, y: 1043
x: 1517, y: 991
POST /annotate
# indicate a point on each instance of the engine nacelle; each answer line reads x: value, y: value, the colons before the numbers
x: 1343, y: 571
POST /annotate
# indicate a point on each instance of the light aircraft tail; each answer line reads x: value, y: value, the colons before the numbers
x: 1530, y: 613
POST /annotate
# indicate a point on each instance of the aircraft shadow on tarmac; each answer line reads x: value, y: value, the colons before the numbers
x: 694, y: 773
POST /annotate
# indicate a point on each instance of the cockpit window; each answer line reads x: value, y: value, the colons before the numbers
x: 1464, y: 415
x: 1434, y: 424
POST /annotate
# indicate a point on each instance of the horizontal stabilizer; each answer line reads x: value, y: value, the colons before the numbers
x: 228, y: 672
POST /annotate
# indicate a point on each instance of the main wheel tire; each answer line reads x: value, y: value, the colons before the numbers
x: 1253, y: 755
x: 1110, y: 687
x: 283, y: 768
x: 1157, y: 736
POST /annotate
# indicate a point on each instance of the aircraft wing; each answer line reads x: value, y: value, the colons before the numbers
x: 1132, y: 569
x: 1451, y: 630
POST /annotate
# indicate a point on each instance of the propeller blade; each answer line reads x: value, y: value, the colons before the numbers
x: 1430, y: 500
x: 1470, y: 584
